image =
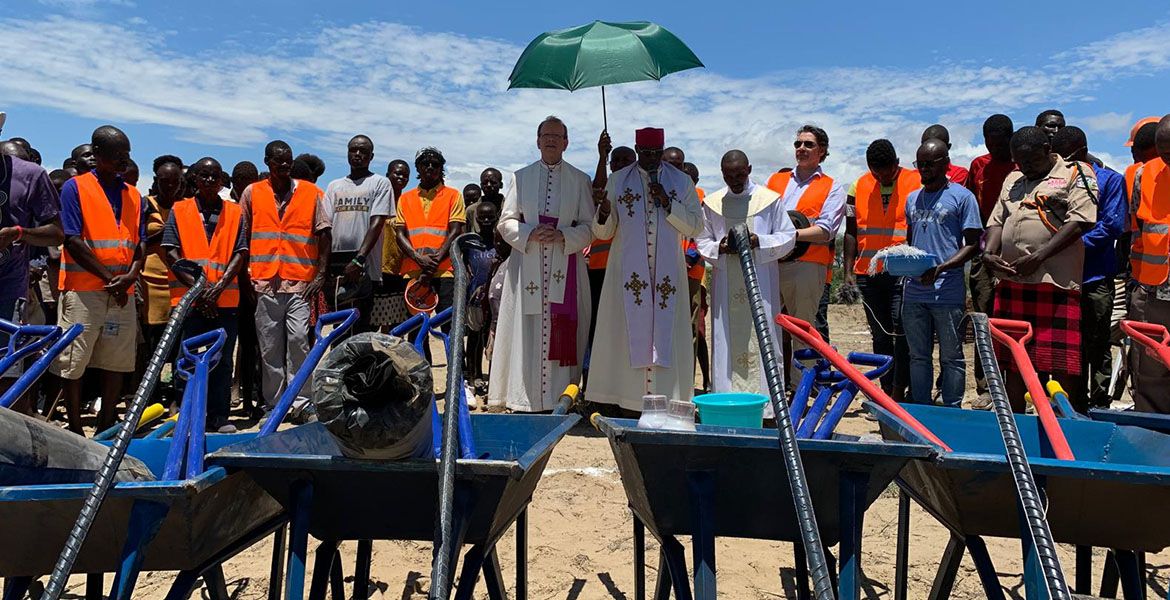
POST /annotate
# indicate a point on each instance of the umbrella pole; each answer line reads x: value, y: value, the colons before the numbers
x: 604, y: 118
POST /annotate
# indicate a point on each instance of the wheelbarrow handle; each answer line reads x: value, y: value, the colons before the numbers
x: 419, y: 321
x: 441, y: 318
x: 344, y: 319
x: 880, y: 362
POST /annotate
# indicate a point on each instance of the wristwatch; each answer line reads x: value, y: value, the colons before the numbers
x: 360, y: 260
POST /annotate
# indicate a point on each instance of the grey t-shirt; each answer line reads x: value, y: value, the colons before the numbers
x: 352, y: 204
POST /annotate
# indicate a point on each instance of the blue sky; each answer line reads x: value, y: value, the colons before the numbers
x: 221, y: 78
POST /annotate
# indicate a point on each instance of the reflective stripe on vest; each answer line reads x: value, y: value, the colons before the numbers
x: 430, y: 229
x: 1150, y: 255
x: 213, y: 255
x: 880, y: 226
x: 810, y: 205
x: 112, y: 242
x: 283, y: 245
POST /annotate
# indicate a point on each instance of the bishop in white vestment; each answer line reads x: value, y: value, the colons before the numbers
x: 642, y: 344
x: 737, y: 366
x: 543, y: 325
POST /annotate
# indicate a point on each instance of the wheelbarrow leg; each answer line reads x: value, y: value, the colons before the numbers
x: 984, y: 567
x: 853, y: 488
x: 337, y: 578
x: 522, y: 555
x: 1084, y: 577
x: 183, y: 585
x: 639, y: 560
x: 1109, y: 576
x: 473, y: 561
x: 94, y: 582
x: 902, y: 551
x: 702, y: 492
x: 216, y: 583
x: 493, y: 576
x: 803, y: 591
x: 948, y: 567
x: 276, y: 571
x: 145, y: 519
x: 1131, y: 581
x: 302, y: 498
x: 361, y: 570
x: 322, y: 567
x: 676, y: 561
x: 662, y: 585
x: 16, y: 587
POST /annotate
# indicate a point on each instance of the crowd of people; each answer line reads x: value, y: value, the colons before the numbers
x: 604, y: 278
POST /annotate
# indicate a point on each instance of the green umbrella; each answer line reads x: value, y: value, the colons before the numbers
x: 601, y: 54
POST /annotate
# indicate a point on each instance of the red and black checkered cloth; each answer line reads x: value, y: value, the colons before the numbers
x: 1055, y: 315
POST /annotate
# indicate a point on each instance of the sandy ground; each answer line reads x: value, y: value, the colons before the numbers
x: 581, y: 546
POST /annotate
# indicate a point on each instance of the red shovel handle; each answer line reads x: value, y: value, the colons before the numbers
x: 805, y: 332
x: 1013, y: 335
x: 1153, y: 336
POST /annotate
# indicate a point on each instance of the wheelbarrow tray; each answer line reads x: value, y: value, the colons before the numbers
x: 206, y: 516
x: 1132, y: 418
x: 971, y: 491
x: 356, y: 499
x: 752, y: 498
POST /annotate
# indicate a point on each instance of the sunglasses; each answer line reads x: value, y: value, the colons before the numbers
x: 920, y: 164
x: 805, y: 143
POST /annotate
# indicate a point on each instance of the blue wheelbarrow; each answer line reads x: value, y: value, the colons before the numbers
x: 336, y: 499
x: 191, y: 520
x: 707, y: 483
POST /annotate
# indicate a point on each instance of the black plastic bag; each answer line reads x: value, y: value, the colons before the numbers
x: 374, y: 393
x: 33, y: 452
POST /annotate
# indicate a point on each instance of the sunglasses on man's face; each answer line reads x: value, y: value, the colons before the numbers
x: 926, y: 164
x: 806, y: 143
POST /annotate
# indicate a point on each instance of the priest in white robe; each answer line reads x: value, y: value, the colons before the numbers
x: 642, y: 344
x: 543, y: 326
x: 737, y: 365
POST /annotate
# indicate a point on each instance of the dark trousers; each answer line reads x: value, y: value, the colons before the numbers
x: 219, y: 381
x: 249, y: 353
x: 882, y: 294
x: 821, y: 323
x: 1096, y: 309
x: 982, y: 285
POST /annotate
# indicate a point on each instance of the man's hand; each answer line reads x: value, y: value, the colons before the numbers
x: 658, y: 193
x: 598, y: 196
x: 8, y: 235
x: 211, y: 294
x: 313, y: 288
x: 119, y: 284
x: 1026, y: 265
x: 929, y: 277
x: 755, y: 240
x: 850, y: 277
x: 604, y: 145
x: 724, y: 246
x: 426, y: 261
x: 354, y: 272
x: 998, y: 265
x: 121, y: 298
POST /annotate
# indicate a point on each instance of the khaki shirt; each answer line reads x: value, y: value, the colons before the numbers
x: 1025, y: 232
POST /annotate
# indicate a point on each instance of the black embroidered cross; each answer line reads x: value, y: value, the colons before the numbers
x: 665, y: 289
x: 636, y: 285
x: 629, y: 198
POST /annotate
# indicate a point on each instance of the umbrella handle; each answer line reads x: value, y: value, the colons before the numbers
x: 604, y: 118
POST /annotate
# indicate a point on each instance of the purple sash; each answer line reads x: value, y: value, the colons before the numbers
x: 563, y: 337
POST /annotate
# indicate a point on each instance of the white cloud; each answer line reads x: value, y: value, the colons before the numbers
x: 408, y: 88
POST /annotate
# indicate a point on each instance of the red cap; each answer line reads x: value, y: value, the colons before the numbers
x: 1136, y: 126
x: 650, y: 137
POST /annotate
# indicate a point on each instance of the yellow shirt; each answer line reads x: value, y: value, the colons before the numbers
x: 154, y: 269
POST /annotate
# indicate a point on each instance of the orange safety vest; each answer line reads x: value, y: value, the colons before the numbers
x: 699, y: 269
x: 427, y: 230
x: 1150, y: 257
x: 879, y: 227
x: 112, y: 242
x: 213, y: 255
x: 810, y: 205
x: 283, y: 245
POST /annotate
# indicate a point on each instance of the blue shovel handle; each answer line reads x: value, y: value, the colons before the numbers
x: 344, y: 319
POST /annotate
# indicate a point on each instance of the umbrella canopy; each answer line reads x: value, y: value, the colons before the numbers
x: 599, y: 54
